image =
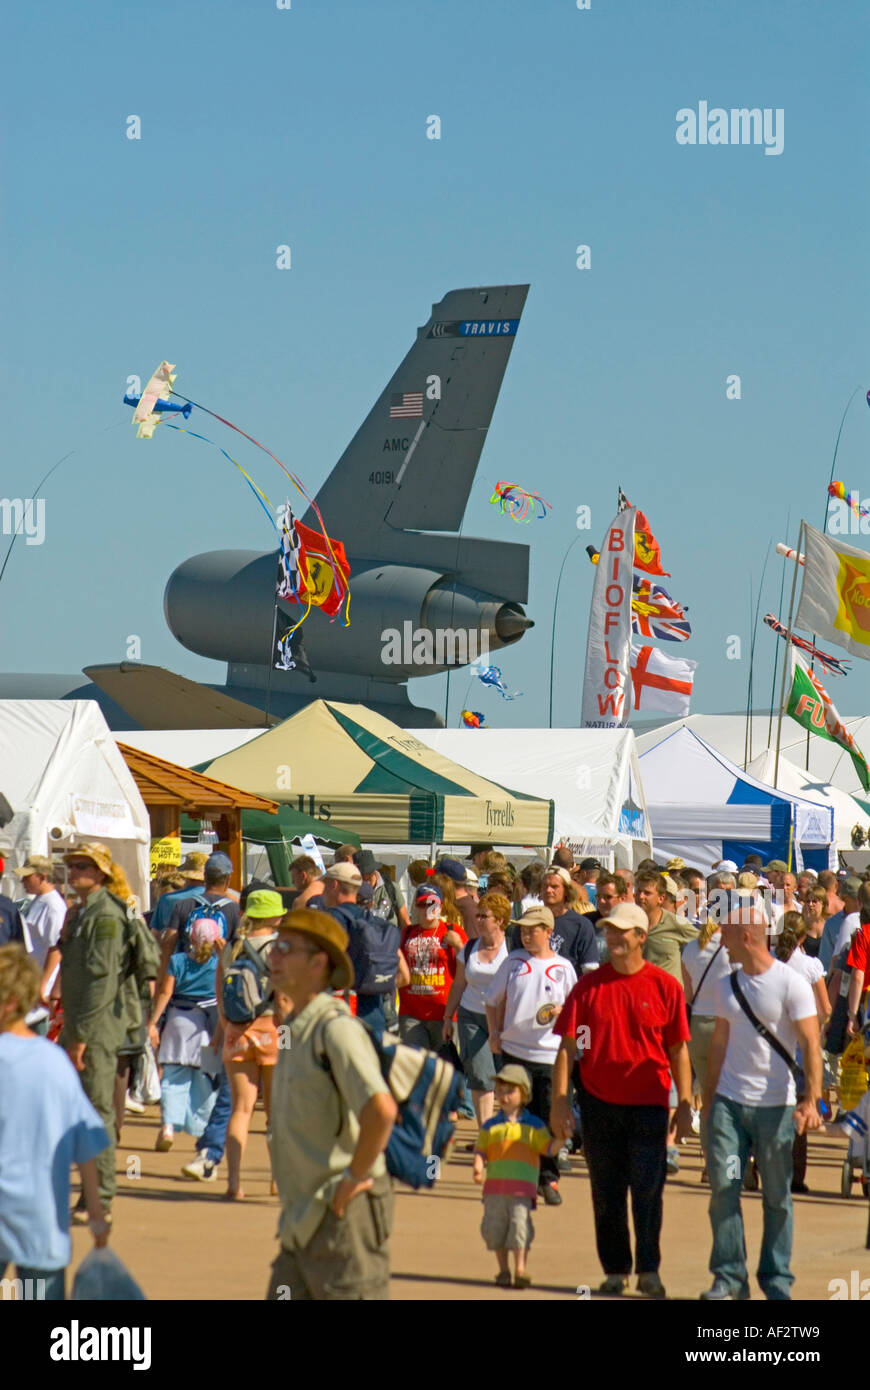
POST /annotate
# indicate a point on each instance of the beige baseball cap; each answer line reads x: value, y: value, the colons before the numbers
x: 625, y: 916
x: 348, y: 874
x: 536, y: 917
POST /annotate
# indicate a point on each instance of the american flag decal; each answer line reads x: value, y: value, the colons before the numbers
x: 407, y: 406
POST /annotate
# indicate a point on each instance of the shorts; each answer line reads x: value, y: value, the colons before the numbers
x: 507, y: 1222
x: 255, y: 1042
x: 347, y: 1258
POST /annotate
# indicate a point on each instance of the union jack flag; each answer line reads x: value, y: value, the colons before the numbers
x: 664, y: 629
x: 650, y: 600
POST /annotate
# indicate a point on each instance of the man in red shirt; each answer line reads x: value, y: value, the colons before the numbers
x: 858, y: 957
x: 628, y: 1021
x: 429, y: 946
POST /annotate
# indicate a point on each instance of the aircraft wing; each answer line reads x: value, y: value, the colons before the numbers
x: 159, y: 699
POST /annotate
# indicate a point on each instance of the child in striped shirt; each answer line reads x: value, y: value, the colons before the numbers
x: 507, y: 1160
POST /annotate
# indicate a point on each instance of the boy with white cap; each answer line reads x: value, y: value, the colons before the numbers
x: 506, y: 1161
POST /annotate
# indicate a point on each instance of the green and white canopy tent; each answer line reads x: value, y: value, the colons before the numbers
x: 344, y: 763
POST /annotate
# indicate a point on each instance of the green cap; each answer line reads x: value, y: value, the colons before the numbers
x: 264, y: 902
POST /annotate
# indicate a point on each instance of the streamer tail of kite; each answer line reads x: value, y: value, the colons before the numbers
x: 518, y: 503
x: 852, y: 499
x: 831, y: 665
x: 472, y: 719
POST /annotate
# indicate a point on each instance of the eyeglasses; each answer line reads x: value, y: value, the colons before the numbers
x: 80, y: 864
x: 287, y: 948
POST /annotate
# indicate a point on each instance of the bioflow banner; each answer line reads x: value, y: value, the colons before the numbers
x: 606, y: 686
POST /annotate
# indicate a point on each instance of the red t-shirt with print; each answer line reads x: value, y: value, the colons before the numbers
x: 628, y: 1023
x: 433, y: 969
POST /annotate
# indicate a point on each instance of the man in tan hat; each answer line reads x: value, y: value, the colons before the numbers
x: 332, y: 1115
x: 628, y: 1022
x: 94, y: 1016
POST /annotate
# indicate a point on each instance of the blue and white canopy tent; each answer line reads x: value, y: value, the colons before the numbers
x: 704, y: 808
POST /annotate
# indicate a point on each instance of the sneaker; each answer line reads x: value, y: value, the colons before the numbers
x: 721, y: 1292
x: 696, y: 1121
x: 135, y: 1106
x: 673, y: 1160
x: 564, y: 1161
x: 651, y: 1285
x: 551, y: 1194
x: 201, y: 1169
x: 164, y: 1139
x: 614, y: 1284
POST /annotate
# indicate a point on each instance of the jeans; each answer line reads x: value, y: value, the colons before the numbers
x: 769, y: 1131
x: 541, y: 1077
x: 212, y: 1142
x: 624, y: 1147
x: 52, y: 1290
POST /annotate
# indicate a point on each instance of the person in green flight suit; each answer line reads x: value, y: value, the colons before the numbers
x: 93, y: 957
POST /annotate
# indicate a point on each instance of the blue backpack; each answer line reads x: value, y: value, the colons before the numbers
x: 203, y: 908
x: 246, y: 992
x: 373, y: 948
x: 426, y: 1090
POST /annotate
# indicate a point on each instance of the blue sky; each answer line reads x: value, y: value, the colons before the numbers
x: 306, y: 127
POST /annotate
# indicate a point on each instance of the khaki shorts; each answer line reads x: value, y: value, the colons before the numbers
x: 346, y: 1258
x: 507, y: 1222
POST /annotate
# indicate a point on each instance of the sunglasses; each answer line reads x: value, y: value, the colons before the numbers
x: 287, y: 948
x: 80, y: 864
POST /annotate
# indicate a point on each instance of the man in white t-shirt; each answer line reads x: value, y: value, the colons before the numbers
x: 522, y: 1003
x: 751, y: 1096
x: 43, y: 920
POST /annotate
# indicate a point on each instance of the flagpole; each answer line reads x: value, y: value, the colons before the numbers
x: 776, y: 644
x: 555, y: 610
x: 271, y: 662
x: 785, y: 662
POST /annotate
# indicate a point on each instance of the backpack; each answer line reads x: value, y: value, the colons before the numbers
x: 245, y: 992
x: 425, y: 1088
x: 141, y: 959
x: 390, y: 890
x: 373, y: 947
x: 203, y: 908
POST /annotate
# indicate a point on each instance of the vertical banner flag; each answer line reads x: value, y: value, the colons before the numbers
x: 835, y: 597
x: 811, y: 706
x: 661, y: 682
x: 606, y: 703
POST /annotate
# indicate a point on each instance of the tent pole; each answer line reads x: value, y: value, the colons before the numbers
x: 786, y: 664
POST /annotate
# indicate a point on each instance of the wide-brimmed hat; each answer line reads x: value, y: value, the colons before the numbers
x: 777, y: 866
x: 36, y: 864
x: 264, y: 902
x: 626, y: 916
x: 515, y: 1075
x: 330, y: 937
x: 193, y: 866
x: 98, y: 853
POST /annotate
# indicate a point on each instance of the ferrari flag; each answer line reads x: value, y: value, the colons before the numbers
x: 812, y: 707
x: 835, y: 598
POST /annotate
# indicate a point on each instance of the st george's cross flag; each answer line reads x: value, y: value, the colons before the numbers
x: 661, y: 682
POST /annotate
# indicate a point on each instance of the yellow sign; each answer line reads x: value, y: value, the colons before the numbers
x: 853, y: 592
x: 165, y: 851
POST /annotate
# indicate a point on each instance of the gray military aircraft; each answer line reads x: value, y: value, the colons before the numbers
x: 425, y: 598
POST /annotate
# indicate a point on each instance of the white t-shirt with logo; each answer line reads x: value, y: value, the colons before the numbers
x: 529, y: 986
x: 752, y: 1073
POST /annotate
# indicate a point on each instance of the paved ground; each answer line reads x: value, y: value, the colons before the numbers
x: 181, y: 1241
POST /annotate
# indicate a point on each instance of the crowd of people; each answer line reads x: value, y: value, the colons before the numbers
x: 605, y: 1014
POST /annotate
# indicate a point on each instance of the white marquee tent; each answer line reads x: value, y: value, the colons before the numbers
x: 63, y: 776
x: 592, y: 776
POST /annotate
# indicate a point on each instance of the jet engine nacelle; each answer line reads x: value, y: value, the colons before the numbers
x: 406, y: 620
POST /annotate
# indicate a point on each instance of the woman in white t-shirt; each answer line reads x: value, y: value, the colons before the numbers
x: 790, y: 949
x: 704, y: 962
x: 476, y: 965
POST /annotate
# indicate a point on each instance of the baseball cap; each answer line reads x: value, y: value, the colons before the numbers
x: 479, y: 849
x: 345, y: 873
x: 777, y: 866
x: 515, y: 1075
x: 670, y: 886
x: 428, y: 891
x: 365, y: 894
x: 365, y: 861
x: 452, y: 869
x: 264, y: 902
x: 727, y: 866
x: 471, y: 877
x: 536, y: 917
x: 627, y: 915
x: 218, y: 865
x: 99, y: 854
x: 590, y: 863
x: 36, y: 864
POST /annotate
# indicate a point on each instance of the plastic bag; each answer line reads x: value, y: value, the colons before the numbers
x: 853, y: 1074
x: 147, y: 1088
x: 102, y: 1277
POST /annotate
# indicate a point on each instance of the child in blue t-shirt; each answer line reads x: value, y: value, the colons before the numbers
x: 187, y: 995
x: 47, y: 1123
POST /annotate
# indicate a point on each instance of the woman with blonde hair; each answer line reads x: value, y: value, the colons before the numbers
x: 475, y: 966
x: 250, y: 1039
x: 704, y: 963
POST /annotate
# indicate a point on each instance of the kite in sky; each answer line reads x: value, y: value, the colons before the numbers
x: 852, y: 500
x: 514, y: 500
x: 472, y: 719
x: 491, y: 675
